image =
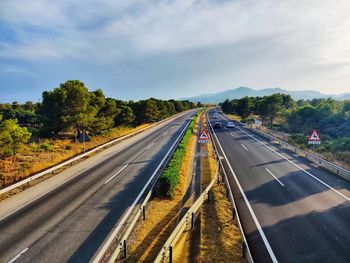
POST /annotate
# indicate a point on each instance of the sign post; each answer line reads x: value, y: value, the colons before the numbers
x: 314, y: 138
x: 203, y: 137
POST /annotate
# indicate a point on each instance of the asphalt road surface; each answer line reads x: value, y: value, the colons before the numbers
x: 292, y: 210
x: 71, y: 222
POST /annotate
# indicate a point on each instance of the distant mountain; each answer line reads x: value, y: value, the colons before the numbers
x: 244, y: 91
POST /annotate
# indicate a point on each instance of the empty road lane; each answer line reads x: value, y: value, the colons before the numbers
x: 71, y: 222
x: 292, y: 210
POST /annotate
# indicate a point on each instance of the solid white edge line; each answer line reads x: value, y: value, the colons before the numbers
x: 111, y: 237
x: 18, y: 255
x: 274, y: 176
x: 149, y: 146
x: 244, y: 147
x: 261, y: 231
x: 70, y: 161
x: 55, y: 187
x: 110, y: 179
x: 299, y: 167
x: 62, y: 183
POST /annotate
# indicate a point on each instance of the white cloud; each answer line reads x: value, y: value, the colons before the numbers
x: 296, y: 37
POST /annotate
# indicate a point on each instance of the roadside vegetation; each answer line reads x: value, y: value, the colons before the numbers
x: 163, y: 211
x: 35, y: 136
x: 280, y: 113
x: 170, y: 177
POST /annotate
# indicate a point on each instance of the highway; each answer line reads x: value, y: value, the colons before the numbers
x: 291, y: 209
x: 72, y: 220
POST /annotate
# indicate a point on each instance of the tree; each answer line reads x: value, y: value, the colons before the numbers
x: 106, y: 111
x: 67, y: 107
x: 273, y: 105
x: 12, y: 137
x: 227, y: 106
x: 244, y: 107
x: 146, y: 111
x: 126, y: 116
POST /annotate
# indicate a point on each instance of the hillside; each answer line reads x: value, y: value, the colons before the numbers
x: 244, y: 91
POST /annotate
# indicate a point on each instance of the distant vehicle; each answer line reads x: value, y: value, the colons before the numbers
x: 215, y: 117
x: 230, y: 124
x: 217, y: 125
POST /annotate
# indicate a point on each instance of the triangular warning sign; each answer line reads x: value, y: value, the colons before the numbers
x: 204, y: 137
x: 314, y: 136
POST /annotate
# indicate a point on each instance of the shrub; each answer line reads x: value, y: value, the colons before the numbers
x: 68, y: 147
x: 35, y: 147
x: 7, y: 152
x: 170, y: 177
x: 46, y: 147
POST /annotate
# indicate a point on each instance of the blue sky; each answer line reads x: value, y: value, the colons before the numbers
x: 173, y: 49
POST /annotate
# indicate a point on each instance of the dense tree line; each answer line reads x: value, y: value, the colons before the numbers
x: 73, y: 108
x: 267, y: 107
x: 330, y: 117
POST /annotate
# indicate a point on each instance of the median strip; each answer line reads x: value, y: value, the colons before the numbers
x: 220, y: 235
x: 163, y: 210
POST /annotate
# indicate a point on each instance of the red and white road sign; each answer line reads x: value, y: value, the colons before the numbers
x: 204, y: 137
x: 314, y: 138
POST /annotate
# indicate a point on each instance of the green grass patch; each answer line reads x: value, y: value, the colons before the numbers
x: 170, y: 177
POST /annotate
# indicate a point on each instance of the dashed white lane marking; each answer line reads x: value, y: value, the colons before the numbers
x: 232, y: 134
x: 18, y: 255
x: 149, y: 146
x: 244, y: 147
x: 296, y: 165
x: 256, y: 221
x: 274, y: 177
x: 110, y: 179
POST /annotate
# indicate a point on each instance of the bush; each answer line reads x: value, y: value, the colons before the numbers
x: 170, y: 177
x: 46, y: 147
x: 35, y: 147
x: 68, y: 147
x: 7, y: 152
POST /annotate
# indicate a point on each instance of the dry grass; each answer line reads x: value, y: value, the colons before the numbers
x: 162, y: 215
x: 33, y: 159
x: 220, y: 235
x: 234, y: 117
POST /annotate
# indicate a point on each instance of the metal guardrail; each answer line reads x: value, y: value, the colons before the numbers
x: 341, y: 171
x: 115, y: 248
x: 311, y: 157
x: 188, y: 219
x: 72, y: 160
x: 245, y: 246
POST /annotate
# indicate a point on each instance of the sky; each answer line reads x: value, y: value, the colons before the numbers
x: 136, y: 49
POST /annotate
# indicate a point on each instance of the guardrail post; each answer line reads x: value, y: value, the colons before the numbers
x: 244, y: 250
x: 192, y: 221
x: 170, y: 254
x: 144, y: 212
x: 125, y: 248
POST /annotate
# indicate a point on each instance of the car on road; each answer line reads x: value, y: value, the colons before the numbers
x: 230, y: 124
x: 217, y: 125
x: 215, y: 117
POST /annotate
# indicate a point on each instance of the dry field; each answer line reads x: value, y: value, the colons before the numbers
x: 36, y: 157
